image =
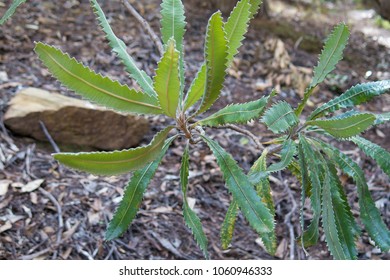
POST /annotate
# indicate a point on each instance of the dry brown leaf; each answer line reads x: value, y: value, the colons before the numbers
x: 4, y: 184
x: 32, y: 186
x: 6, y: 226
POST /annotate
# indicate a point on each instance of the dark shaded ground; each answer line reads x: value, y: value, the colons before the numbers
x: 87, y: 202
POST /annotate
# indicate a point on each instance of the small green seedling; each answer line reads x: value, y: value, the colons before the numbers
x: 303, y: 144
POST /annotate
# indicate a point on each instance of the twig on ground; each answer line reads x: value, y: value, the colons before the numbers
x: 48, y: 136
x: 145, y: 25
x: 59, y: 231
x: 287, y: 219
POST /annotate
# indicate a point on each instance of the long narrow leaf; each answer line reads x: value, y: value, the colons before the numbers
x: 132, y: 197
x: 286, y: 156
x: 238, y: 22
x: 190, y: 217
x: 11, y: 10
x: 316, y: 175
x: 380, y: 155
x: 166, y: 81
x: 117, y: 162
x: 254, y: 210
x: 263, y: 189
x: 173, y: 26
x: 95, y: 87
x: 237, y: 113
x: 369, y: 214
x: 215, y: 55
x: 227, y: 228
x: 236, y: 27
x: 329, y: 221
x: 354, y: 96
x: 119, y: 47
x: 343, y: 215
x: 345, y: 127
x: 330, y: 56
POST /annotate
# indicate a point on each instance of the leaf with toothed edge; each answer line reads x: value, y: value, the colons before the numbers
x: 235, y: 28
x: 132, y: 197
x: 382, y: 118
x: 117, y: 162
x: 11, y: 10
x: 263, y: 189
x: 98, y: 89
x: 173, y: 23
x: 369, y: 214
x: 119, y: 47
x: 166, y: 81
x: 329, y: 219
x: 331, y: 54
x: 227, y: 228
x: 254, y: 210
x: 215, y: 56
x: 380, y: 155
x: 344, y: 219
x: 286, y: 156
x: 280, y: 117
x: 190, y: 217
x: 354, y: 96
x: 236, y: 113
x: 346, y: 126
x: 314, y: 171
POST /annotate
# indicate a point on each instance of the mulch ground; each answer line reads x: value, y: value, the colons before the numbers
x: 66, y: 217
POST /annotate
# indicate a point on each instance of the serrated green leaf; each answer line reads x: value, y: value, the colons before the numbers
x: 382, y: 118
x: 329, y: 220
x: 95, y: 87
x: 354, y: 96
x: 331, y: 54
x: 316, y: 176
x: 227, y: 228
x: 132, y: 197
x: 343, y: 216
x: 215, y: 56
x: 173, y: 24
x: 254, y: 210
x: 11, y: 10
x: 166, y: 81
x: 305, y: 182
x: 197, y: 88
x: 190, y: 217
x: 263, y: 189
x: 237, y: 113
x: 286, y: 156
x: 255, y: 6
x: 117, y: 162
x: 369, y: 214
x: 280, y: 117
x: 380, y: 155
x: 119, y: 47
x: 345, y: 127
x: 236, y: 27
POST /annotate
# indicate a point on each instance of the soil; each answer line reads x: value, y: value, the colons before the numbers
x: 67, y: 216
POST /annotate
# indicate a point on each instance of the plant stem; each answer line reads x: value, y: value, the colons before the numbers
x: 245, y: 132
x: 145, y: 25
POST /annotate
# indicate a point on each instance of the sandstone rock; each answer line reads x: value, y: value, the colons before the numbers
x: 72, y: 121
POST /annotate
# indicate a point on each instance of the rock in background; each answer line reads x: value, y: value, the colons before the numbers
x: 72, y: 121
